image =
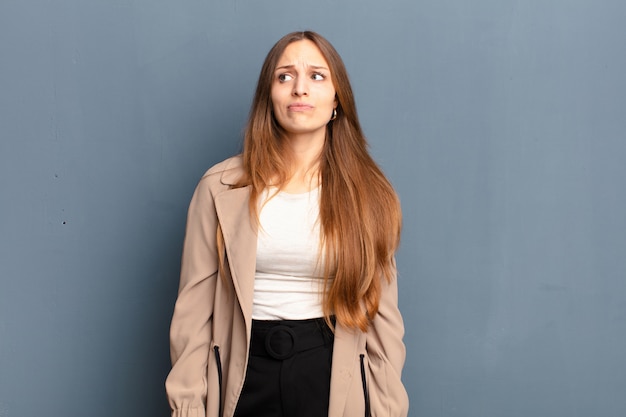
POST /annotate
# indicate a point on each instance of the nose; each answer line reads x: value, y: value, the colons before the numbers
x: 300, y: 87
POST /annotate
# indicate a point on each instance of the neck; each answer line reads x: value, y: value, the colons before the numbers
x: 306, y: 150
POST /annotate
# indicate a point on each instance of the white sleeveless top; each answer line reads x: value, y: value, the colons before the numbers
x: 288, y: 282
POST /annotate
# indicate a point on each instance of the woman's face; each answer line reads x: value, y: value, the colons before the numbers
x: 303, y: 95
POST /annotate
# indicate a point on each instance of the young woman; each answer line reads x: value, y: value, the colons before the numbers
x: 288, y: 297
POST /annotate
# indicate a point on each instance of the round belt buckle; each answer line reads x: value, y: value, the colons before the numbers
x: 268, y: 345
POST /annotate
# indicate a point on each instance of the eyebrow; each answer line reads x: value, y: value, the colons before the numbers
x: 316, y: 67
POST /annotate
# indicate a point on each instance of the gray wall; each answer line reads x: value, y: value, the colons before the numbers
x: 500, y: 122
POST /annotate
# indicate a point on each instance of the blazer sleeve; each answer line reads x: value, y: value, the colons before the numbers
x: 386, y: 354
x: 190, y: 331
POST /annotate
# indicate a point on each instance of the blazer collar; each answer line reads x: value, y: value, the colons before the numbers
x: 232, y: 171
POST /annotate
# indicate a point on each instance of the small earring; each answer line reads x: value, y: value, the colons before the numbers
x: 334, y: 114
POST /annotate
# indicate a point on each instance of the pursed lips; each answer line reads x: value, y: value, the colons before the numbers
x: 299, y: 107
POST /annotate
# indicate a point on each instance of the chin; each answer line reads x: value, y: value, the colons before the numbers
x: 304, y: 130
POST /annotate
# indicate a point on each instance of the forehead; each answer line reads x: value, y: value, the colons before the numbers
x: 302, y: 52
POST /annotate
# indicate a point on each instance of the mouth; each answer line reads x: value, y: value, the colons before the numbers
x: 299, y: 107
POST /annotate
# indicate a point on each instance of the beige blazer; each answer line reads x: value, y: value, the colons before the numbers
x: 213, y: 313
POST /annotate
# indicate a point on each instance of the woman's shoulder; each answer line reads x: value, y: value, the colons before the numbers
x: 227, y: 172
x: 232, y: 163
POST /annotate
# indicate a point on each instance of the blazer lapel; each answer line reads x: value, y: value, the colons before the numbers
x: 345, y: 352
x: 240, y: 240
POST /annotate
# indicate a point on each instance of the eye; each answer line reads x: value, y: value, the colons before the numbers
x: 318, y: 77
x: 284, y: 78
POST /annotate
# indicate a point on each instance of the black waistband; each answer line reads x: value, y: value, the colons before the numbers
x: 281, y: 339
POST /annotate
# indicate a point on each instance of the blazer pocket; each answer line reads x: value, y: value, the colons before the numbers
x: 214, y: 380
x: 385, y: 391
x: 366, y: 394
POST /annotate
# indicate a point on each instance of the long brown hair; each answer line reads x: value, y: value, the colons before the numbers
x: 359, y: 210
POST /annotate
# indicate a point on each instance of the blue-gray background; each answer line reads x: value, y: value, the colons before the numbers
x: 501, y: 123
